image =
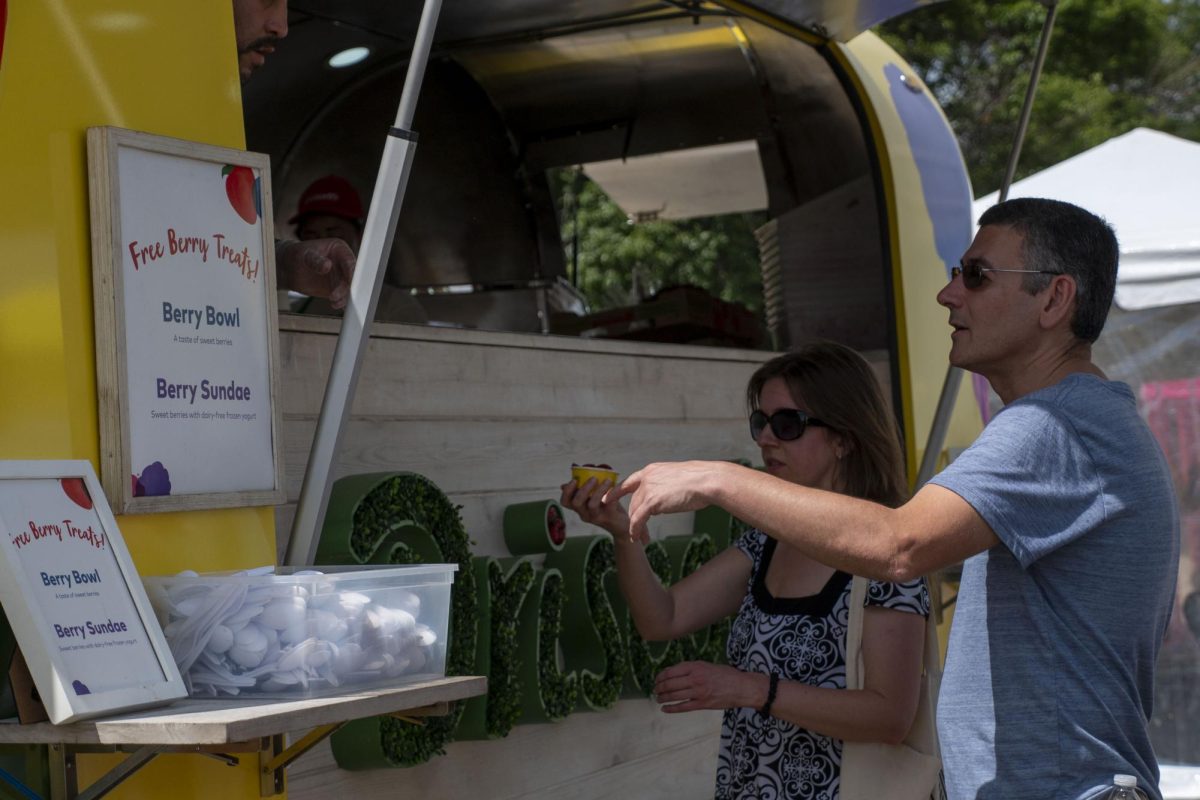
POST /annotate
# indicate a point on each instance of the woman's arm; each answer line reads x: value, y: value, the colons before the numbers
x: 709, y: 594
x: 882, y: 711
x: 712, y: 592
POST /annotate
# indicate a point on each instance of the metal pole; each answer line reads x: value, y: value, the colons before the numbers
x: 941, y: 423
x: 1027, y: 110
x: 380, y: 230
x: 945, y: 406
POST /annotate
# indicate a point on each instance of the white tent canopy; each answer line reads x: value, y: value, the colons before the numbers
x: 1147, y: 185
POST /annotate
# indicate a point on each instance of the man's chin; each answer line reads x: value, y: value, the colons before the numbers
x: 959, y: 359
x: 247, y: 63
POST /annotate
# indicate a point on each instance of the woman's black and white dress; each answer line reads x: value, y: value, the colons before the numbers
x: 802, y: 639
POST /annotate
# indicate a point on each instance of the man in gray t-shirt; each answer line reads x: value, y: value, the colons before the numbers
x: 1050, y: 670
x: 1062, y: 511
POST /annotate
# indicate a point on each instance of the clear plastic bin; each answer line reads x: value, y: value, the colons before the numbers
x: 299, y: 633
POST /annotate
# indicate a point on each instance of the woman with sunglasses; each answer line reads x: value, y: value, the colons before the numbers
x: 820, y: 420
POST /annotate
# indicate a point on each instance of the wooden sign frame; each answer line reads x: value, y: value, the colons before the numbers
x: 207, y: 461
x: 42, y: 608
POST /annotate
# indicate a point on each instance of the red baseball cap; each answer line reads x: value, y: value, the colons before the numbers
x: 329, y: 195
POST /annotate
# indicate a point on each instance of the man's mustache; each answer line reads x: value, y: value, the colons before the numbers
x: 265, y: 41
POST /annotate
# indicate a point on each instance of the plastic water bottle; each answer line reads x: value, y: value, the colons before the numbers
x: 1124, y: 787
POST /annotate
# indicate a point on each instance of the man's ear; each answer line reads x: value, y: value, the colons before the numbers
x: 1058, y: 304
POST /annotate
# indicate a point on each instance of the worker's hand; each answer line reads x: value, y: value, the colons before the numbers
x: 317, y: 267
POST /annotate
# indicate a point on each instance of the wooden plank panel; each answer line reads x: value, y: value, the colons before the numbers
x: 513, y: 455
x: 485, y: 466
x: 579, y: 754
x: 416, y: 378
x: 495, y: 420
x: 667, y: 774
x: 331, y: 326
x: 482, y: 513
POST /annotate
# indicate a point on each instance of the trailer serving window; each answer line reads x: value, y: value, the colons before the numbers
x: 676, y: 117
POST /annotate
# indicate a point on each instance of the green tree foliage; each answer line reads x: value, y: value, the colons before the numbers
x: 616, y: 262
x: 1113, y: 65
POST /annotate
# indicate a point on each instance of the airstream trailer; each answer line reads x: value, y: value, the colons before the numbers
x: 473, y: 377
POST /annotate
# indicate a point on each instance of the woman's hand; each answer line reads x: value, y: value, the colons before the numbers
x: 695, y: 685
x: 590, y: 502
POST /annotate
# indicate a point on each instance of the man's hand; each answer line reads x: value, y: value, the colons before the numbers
x: 665, y: 489
x: 695, y: 685
x: 318, y: 267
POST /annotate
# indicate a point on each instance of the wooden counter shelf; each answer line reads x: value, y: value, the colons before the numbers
x: 219, y: 728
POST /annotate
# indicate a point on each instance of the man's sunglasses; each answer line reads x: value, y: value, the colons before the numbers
x: 787, y: 423
x: 972, y: 273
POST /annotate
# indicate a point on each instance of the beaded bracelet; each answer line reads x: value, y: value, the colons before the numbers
x: 765, y: 711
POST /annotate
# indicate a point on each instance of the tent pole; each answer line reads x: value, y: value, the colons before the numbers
x: 369, y: 269
x: 1039, y: 61
x: 949, y: 395
x: 941, y: 424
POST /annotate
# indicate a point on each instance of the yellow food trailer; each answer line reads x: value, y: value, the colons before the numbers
x: 470, y: 379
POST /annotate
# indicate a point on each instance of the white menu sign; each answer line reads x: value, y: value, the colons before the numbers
x: 72, y: 597
x: 191, y: 312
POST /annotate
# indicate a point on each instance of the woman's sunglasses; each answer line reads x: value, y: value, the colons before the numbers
x: 972, y: 273
x: 787, y: 424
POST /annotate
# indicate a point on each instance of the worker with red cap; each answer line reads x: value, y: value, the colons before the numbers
x: 330, y: 208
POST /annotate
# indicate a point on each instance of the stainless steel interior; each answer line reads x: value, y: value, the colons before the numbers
x: 515, y: 88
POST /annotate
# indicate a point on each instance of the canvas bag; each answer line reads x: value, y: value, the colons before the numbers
x: 907, y: 771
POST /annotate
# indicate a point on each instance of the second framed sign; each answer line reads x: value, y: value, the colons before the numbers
x: 186, y: 337
x: 74, y: 600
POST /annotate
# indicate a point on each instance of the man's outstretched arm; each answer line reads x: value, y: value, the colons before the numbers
x: 936, y: 528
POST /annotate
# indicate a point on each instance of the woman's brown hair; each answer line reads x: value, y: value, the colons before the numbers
x: 840, y: 389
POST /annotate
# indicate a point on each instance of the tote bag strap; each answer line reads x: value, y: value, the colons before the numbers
x: 854, y: 664
x: 923, y: 735
x: 924, y: 732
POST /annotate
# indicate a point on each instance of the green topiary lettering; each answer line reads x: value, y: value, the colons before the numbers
x: 550, y: 693
x: 592, y: 642
x: 401, y: 517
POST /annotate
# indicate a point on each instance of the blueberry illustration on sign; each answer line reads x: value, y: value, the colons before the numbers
x: 154, y: 481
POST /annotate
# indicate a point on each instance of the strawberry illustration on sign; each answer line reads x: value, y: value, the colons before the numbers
x: 77, y: 491
x: 243, y: 190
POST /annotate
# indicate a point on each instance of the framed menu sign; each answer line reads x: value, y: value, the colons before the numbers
x: 73, y: 599
x: 186, y: 338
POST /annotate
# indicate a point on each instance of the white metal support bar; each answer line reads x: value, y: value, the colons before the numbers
x: 352, y: 342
